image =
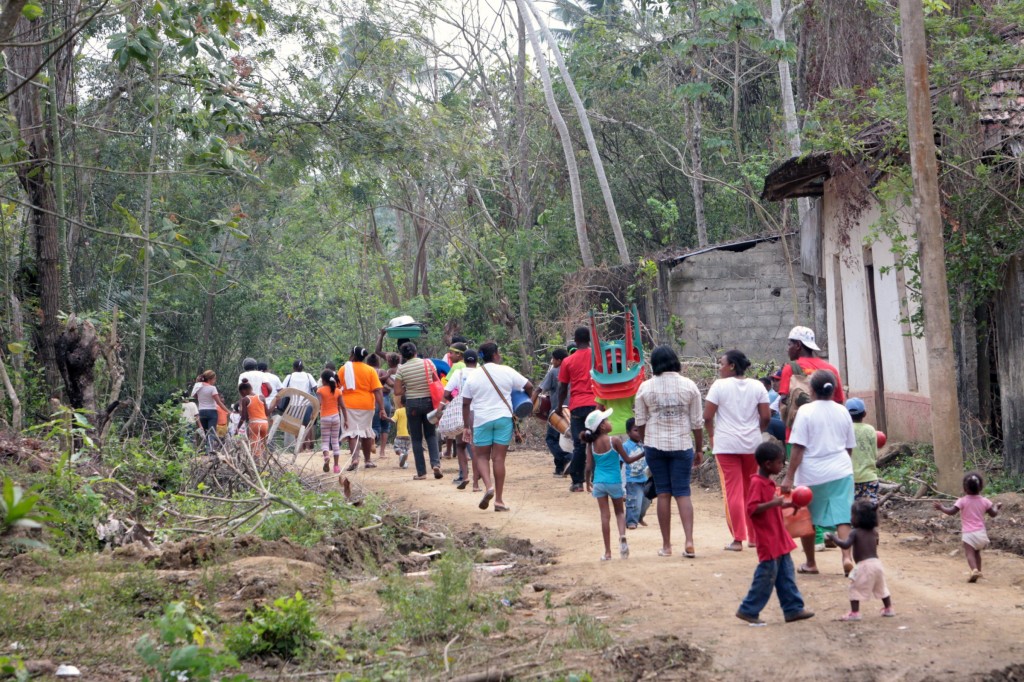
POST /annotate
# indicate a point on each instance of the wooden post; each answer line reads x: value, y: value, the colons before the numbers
x: 935, y: 293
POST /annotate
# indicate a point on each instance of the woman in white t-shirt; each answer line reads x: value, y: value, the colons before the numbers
x: 735, y: 413
x: 487, y: 419
x: 823, y: 442
x: 207, y: 397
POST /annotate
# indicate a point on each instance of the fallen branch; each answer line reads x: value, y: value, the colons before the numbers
x: 447, y: 664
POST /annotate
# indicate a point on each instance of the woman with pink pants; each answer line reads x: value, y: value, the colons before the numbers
x: 735, y: 414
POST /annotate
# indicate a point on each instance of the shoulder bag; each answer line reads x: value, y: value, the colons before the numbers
x: 435, y: 385
x: 517, y: 432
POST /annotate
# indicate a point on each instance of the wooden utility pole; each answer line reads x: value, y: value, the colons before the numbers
x: 949, y: 458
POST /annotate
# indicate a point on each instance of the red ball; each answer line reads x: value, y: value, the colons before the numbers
x: 802, y: 496
x: 881, y: 438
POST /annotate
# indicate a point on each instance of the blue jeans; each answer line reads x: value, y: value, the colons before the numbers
x: 636, y: 503
x: 778, y: 574
x: 562, y: 458
x: 577, y: 422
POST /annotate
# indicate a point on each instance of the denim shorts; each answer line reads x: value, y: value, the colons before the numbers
x: 495, y: 432
x: 612, y: 490
x: 671, y: 470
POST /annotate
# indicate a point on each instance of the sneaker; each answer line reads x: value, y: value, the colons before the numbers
x: 337, y: 469
x: 402, y: 457
x: 623, y: 548
x: 851, y: 617
x: 820, y: 547
x: 888, y: 612
x: 458, y: 480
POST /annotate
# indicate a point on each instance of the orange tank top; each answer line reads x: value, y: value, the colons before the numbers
x: 328, y: 401
x: 257, y: 410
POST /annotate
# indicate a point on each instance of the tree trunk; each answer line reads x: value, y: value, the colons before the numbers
x: 588, y: 134
x: 778, y: 23
x: 36, y: 178
x: 563, y: 134
x: 379, y: 247
x: 111, y: 351
x: 147, y: 209
x: 696, y: 112
x: 12, y: 395
x: 77, y: 350
x: 934, y: 288
x: 524, y: 205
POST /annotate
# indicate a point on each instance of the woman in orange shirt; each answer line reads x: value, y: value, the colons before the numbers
x: 363, y: 393
x: 330, y: 421
x: 254, y: 414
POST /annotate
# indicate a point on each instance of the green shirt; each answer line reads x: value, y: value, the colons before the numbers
x: 865, y: 453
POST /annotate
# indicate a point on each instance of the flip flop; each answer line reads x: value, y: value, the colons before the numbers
x: 462, y: 484
x: 501, y: 508
x: 803, y: 568
x: 689, y: 553
x: 485, y: 502
x: 664, y: 552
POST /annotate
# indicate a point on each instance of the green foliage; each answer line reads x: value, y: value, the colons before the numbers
x: 181, y: 653
x: 21, y: 510
x: 13, y: 668
x: 436, y: 611
x: 284, y: 629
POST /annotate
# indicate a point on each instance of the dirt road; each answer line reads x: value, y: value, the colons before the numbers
x: 945, y: 629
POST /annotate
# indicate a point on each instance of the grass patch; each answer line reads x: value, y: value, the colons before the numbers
x: 285, y: 628
x: 910, y: 471
x: 586, y: 632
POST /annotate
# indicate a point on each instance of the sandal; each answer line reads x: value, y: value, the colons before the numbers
x: 851, y: 617
x: 462, y: 484
x: 664, y: 552
x: 369, y: 465
x: 327, y: 465
x: 437, y: 472
x: 420, y: 478
x: 623, y: 548
x: 485, y: 502
x: 352, y: 467
x: 501, y: 508
x: 605, y: 557
x: 689, y: 553
x: 888, y: 612
x: 734, y: 547
x: 807, y: 570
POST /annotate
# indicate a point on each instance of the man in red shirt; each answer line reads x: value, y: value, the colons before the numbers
x: 574, y: 379
x: 801, y: 350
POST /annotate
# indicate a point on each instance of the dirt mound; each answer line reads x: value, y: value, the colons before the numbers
x: 1012, y: 673
x: 207, y: 551
x: 663, y: 659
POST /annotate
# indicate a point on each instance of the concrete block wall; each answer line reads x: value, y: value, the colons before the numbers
x: 738, y: 300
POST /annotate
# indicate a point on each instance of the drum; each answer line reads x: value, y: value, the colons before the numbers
x: 560, y: 420
x: 542, y: 406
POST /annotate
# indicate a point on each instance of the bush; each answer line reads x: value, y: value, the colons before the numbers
x: 439, y: 610
x: 190, y: 658
x: 285, y: 629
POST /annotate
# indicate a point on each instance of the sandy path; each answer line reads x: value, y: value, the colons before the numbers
x: 945, y: 628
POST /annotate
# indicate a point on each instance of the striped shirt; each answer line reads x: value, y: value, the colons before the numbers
x: 669, y: 405
x: 413, y: 374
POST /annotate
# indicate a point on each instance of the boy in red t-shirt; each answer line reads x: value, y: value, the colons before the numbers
x: 775, y: 570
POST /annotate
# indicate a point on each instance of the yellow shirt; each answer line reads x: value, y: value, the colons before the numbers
x: 401, y: 423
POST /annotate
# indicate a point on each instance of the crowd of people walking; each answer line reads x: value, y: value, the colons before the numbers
x: 463, y: 402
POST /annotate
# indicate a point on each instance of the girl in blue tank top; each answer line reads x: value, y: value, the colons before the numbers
x: 604, y: 477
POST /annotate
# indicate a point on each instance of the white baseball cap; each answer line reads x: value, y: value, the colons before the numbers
x: 595, y: 418
x: 804, y: 335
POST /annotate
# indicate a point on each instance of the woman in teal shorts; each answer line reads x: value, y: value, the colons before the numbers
x: 487, y: 419
x: 823, y: 442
